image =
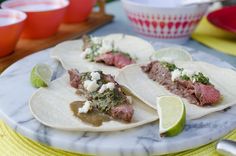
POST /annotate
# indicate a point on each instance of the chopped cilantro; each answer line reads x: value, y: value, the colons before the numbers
x: 184, y: 77
x: 108, y: 99
x: 85, y: 76
x: 91, y: 57
x: 94, y: 48
x: 171, y: 67
x: 201, y: 78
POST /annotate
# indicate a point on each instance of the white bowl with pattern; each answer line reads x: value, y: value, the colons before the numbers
x: 171, y: 24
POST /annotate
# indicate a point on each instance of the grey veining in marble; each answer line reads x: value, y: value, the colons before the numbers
x: 16, y: 90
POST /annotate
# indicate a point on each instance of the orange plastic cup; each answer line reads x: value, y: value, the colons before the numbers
x: 44, y: 16
x: 78, y: 10
x: 11, y: 26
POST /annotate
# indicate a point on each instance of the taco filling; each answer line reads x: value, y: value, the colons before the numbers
x: 192, y: 85
x: 105, y: 98
x: 98, y: 50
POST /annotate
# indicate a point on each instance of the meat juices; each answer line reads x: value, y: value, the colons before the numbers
x: 196, y: 93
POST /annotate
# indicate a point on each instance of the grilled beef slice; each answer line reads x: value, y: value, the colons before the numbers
x: 74, y: 78
x: 118, y: 60
x: 195, y: 93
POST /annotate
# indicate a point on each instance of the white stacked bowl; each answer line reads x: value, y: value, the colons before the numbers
x: 171, y: 24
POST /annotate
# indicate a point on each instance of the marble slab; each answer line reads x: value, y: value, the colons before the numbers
x: 16, y: 90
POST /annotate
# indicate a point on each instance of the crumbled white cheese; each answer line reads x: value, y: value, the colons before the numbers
x: 106, y: 47
x: 91, y: 86
x: 85, y: 107
x: 109, y: 85
x: 175, y: 74
x: 96, y: 40
x: 88, y: 50
x: 95, y: 76
x: 84, y: 54
x: 129, y: 98
x: 102, y: 89
x: 188, y: 72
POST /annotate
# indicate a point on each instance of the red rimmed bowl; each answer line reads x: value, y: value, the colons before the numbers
x: 170, y: 24
x: 224, y: 18
x: 78, y: 10
x: 44, y: 16
x: 11, y: 26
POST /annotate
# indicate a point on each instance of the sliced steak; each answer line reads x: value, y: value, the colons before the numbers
x: 119, y: 60
x: 122, y: 112
x: 207, y: 94
x: 195, y: 93
x: 107, y: 58
x: 74, y: 78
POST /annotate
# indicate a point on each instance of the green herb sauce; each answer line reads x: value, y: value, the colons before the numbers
x: 196, y: 77
x: 108, y: 99
x: 184, y: 77
x: 170, y: 66
x: 201, y: 78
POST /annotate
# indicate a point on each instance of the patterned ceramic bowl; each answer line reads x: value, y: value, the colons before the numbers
x: 171, y: 24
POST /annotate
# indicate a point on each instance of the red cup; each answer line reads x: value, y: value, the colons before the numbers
x: 94, y: 2
x: 11, y: 26
x: 44, y: 16
x: 78, y: 10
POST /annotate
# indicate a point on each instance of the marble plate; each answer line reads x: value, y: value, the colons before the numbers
x: 16, y: 90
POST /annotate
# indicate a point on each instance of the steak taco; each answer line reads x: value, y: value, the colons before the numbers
x: 105, y: 53
x: 204, y: 88
x: 89, y: 101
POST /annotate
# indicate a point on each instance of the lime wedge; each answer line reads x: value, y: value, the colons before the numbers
x: 172, y: 114
x: 41, y: 75
x: 172, y: 54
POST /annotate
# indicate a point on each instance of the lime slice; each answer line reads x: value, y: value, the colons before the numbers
x: 172, y: 114
x: 41, y: 75
x: 172, y: 54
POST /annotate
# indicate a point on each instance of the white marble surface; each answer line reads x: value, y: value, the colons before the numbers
x: 16, y: 90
